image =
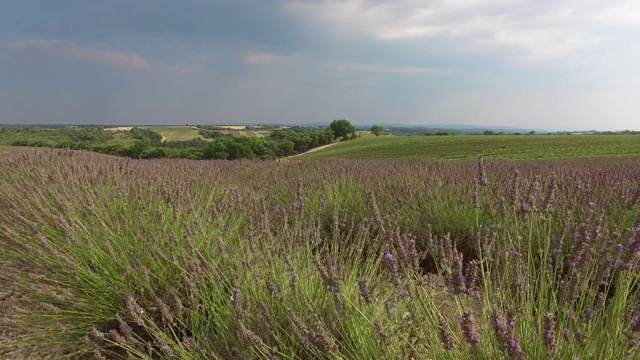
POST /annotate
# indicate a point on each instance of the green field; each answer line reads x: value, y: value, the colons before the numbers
x: 183, y: 133
x: 176, y: 133
x: 464, y: 147
x: 248, y: 133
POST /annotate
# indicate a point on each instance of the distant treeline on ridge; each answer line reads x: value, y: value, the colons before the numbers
x: 144, y: 143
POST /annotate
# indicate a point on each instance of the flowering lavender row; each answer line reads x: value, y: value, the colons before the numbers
x: 113, y: 258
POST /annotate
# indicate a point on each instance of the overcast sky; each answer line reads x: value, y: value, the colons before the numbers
x: 545, y: 64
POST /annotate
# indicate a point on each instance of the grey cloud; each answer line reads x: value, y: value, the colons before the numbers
x: 107, y: 57
x: 226, y: 23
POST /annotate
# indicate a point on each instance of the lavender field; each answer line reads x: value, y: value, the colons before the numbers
x: 109, y: 258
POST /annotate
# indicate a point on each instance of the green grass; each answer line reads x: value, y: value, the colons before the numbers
x: 248, y: 133
x: 511, y: 147
x: 181, y: 132
x: 176, y: 133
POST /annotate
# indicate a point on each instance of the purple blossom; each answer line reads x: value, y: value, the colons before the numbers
x: 548, y: 334
x: 504, y: 329
x: 470, y: 331
x: 391, y: 262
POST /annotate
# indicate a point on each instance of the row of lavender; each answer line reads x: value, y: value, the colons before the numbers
x: 109, y: 258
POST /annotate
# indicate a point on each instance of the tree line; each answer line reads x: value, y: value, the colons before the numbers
x: 147, y: 144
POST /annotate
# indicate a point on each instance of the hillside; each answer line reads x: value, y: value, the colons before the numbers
x: 514, y: 147
x: 188, y: 132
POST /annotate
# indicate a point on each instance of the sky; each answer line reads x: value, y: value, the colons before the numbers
x: 540, y: 64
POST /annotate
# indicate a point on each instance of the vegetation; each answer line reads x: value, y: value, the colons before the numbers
x: 212, y: 133
x: 146, y: 135
x: 162, y: 259
x: 343, y: 129
x: 377, y: 130
x: 515, y: 147
x: 190, y: 132
x: 237, y: 131
x: 143, y: 143
x: 215, y: 142
x: 176, y: 133
x: 50, y: 137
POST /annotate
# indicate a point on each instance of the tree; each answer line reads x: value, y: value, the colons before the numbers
x: 145, y: 134
x: 342, y: 128
x: 377, y: 130
x: 138, y: 148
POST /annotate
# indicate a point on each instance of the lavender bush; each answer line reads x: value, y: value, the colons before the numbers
x: 112, y: 258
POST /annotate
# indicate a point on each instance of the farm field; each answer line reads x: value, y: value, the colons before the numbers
x: 467, y: 147
x: 176, y: 133
x: 182, y: 132
x: 248, y: 133
x: 108, y: 257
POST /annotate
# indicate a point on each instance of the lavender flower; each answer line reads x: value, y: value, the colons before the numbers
x: 457, y: 280
x: 363, y: 291
x: 508, y: 341
x: 548, y: 333
x: 446, y: 338
x: 469, y: 327
x: 246, y: 336
x: 391, y: 262
x: 503, y: 207
x: 482, y: 171
x: 476, y: 201
x: 471, y: 276
x: 384, y: 336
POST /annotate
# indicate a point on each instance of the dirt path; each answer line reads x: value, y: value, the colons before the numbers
x: 309, y: 151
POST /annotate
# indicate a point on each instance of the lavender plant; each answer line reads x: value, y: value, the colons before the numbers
x: 113, y: 258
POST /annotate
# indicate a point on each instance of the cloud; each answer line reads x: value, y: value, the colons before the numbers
x: 226, y: 24
x: 365, y: 67
x: 106, y: 57
x: 264, y: 58
x: 627, y: 13
x: 529, y: 31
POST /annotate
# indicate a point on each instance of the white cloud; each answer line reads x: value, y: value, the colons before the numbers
x: 106, y: 57
x: 530, y: 31
x: 627, y: 13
